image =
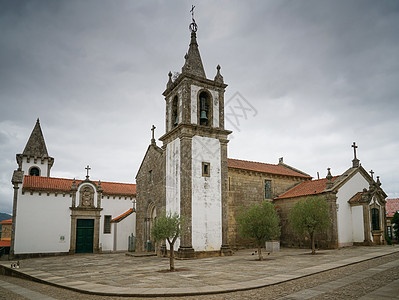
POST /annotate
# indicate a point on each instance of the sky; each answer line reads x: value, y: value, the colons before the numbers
x: 305, y: 80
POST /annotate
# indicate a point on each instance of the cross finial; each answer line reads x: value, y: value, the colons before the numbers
x: 372, y: 173
x: 87, y: 169
x: 354, y: 148
x: 193, y: 26
x: 153, y: 134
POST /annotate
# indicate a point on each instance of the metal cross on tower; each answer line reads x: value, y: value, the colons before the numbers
x: 193, y: 26
x: 87, y: 169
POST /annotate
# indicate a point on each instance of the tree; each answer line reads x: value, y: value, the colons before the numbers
x: 168, y: 227
x: 310, y: 216
x: 395, y: 223
x: 259, y: 223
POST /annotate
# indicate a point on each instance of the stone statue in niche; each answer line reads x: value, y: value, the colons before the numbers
x: 87, y: 196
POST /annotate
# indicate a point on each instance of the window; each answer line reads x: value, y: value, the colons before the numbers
x: 206, y: 169
x: 175, y: 112
x: 389, y: 231
x: 107, y: 224
x: 150, y: 175
x: 375, y: 219
x: 268, y: 189
x: 34, y: 171
x: 204, y: 109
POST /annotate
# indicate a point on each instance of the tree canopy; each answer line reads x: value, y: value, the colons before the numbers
x: 168, y: 227
x: 395, y: 223
x: 259, y: 223
x: 310, y: 216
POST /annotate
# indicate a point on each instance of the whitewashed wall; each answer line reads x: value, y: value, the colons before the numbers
x: 122, y: 230
x: 357, y: 224
x: 215, y: 96
x: 42, y: 166
x: 173, y: 181
x: 344, y: 214
x: 43, y: 223
x: 112, y: 207
x: 206, y: 195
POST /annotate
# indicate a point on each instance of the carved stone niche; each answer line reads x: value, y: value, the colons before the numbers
x: 86, y: 197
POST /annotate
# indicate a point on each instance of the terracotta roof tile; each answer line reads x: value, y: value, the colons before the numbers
x: 391, y: 207
x: 307, y: 188
x: 356, y: 198
x: 5, y: 243
x: 122, y: 216
x: 51, y: 184
x: 9, y: 221
x: 263, y: 168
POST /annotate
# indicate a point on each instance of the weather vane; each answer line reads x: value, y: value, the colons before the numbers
x: 193, y: 26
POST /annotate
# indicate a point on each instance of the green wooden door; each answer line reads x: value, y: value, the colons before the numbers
x: 84, y: 235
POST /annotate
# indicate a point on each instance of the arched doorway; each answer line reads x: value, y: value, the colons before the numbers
x: 149, y: 220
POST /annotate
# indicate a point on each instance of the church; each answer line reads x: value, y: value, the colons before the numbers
x: 189, y: 174
x: 59, y: 216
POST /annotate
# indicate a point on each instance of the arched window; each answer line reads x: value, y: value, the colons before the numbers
x: 375, y: 219
x: 175, y: 112
x: 34, y: 171
x: 204, y: 109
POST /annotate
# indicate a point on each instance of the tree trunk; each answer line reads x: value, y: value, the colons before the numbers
x: 260, y: 252
x: 313, y: 248
x: 171, y: 257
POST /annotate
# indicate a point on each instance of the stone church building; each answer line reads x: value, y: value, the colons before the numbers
x: 189, y: 174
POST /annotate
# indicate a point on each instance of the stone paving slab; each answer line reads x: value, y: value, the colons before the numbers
x: 122, y: 275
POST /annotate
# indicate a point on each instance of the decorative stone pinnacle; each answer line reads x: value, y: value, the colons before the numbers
x: 329, y: 179
x: 218, y: 77
x: 378, y: 181
x: 170, y: 80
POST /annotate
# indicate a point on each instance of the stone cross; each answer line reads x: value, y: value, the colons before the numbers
x: 153, y: 130
x: 372, y: 173
x: 87, y: 169
x: 354, y: 148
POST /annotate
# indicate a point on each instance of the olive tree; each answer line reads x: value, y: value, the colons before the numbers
x: 310, y: 216
x: 259, y: 223
x: 168, y: 227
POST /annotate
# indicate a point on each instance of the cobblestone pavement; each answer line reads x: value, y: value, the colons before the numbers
x: 286, y: 259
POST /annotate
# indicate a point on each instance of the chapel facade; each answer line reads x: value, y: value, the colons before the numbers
x: 53, y: 216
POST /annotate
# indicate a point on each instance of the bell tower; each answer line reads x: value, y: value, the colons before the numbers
x: 195, y: 145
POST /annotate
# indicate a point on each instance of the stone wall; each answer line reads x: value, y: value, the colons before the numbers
x: 328, y: 239
x: 150, y: 194
x: 246, y: 187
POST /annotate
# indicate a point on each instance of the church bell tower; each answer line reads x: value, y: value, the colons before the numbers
x: 195, y: 145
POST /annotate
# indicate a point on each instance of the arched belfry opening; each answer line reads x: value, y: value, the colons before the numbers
x: 175, y: 111
x: 205, y: 109
x: 34, y: 171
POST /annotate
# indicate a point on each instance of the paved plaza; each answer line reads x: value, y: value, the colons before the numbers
x: 120, y: 274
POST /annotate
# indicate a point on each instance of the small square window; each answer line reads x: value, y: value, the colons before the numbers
x: 206, y: 169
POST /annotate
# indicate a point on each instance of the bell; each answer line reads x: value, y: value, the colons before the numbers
x: 203, y: 116
x: 176, y: 122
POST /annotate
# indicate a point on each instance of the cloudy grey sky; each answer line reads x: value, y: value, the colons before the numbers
x: 316, y: 76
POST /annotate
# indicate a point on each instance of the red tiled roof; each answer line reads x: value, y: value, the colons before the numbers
x: 307, y: 188
x: 122, y: 216
x: 263, y: 168
x: 5, y: 243
x: 356, y: 198
x: 391, y: 207
x: 51, y: 184
x: 9, y: 221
